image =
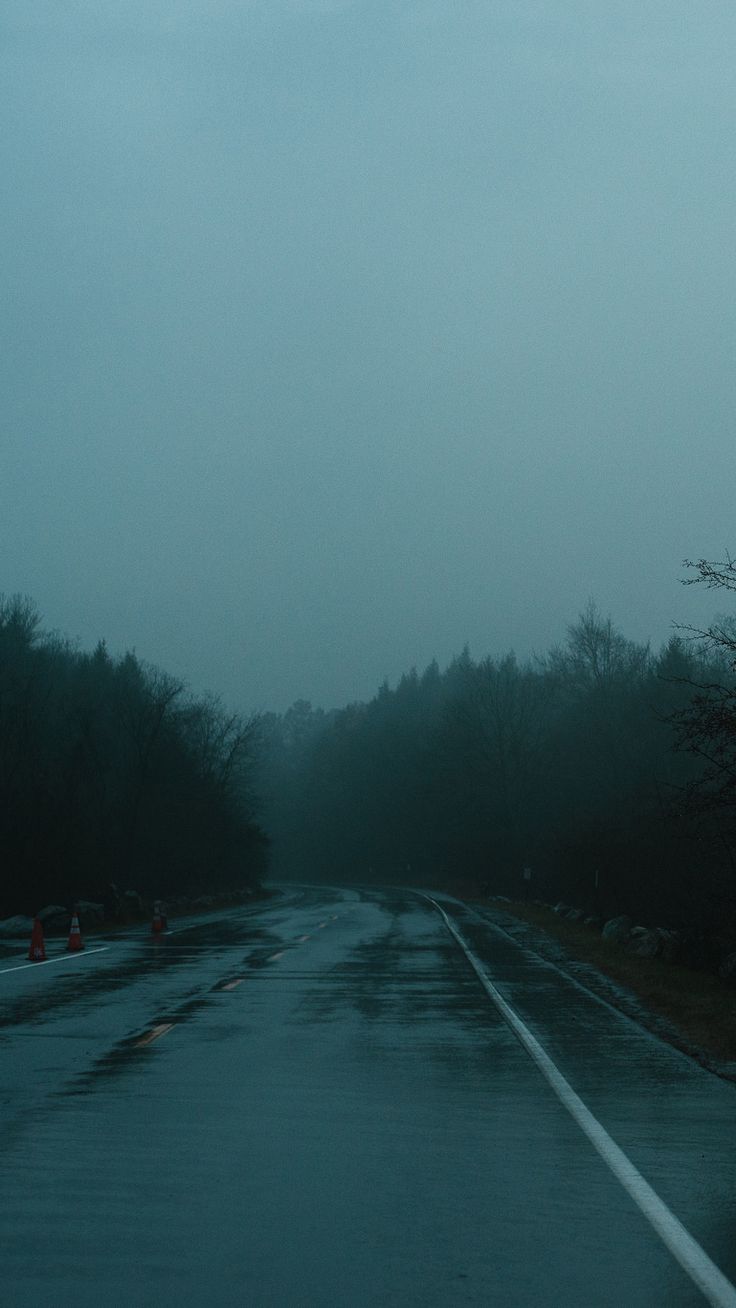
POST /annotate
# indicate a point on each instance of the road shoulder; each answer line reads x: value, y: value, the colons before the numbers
x: 692, y: 1011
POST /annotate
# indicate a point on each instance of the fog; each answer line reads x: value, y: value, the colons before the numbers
x: 338, y: 335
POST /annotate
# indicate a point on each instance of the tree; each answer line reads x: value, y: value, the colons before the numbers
x: 706, y: 726
x: 492, y: 735
x: 596, y: 656
x: 109, y: 771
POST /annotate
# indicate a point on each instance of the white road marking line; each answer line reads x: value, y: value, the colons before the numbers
x: 154, y: 1034
x: 77, y: 953
x: 272, y: 957
x: 701, y: 1269
x: 232, y: 985
x: 300, y: 939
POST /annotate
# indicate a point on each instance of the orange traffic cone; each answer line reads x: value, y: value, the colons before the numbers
x: 75, y: 935
x: 37, y: 951
x: 157, y: 925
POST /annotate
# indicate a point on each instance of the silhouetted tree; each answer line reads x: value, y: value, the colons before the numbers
x: 109, y: 771
x: 467, y: 775
x: 706, y: 727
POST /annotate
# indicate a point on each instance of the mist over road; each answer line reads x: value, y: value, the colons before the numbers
x: 314, y: 1102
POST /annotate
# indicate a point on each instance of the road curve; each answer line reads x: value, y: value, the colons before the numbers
x: 316, y: 1103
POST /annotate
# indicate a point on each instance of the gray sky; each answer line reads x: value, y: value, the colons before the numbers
x: 342, y: 332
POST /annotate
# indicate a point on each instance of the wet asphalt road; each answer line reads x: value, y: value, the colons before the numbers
x: 314, y: 1103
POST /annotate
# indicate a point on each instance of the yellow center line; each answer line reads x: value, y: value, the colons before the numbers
x: 154, y: 1034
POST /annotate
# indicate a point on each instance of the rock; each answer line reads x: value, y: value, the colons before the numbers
x: 561, y: 908
x: 16, y: 926
x: 591, y: 920
x: 669, y: 944
x: 574, y: 915
x: 643, y: 942
x: 89, y: 911
x: 617, y: 929
x: 54, y: 915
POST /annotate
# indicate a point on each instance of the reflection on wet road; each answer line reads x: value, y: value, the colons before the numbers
x: 314, y: 1103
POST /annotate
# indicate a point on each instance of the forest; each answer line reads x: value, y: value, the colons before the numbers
x: 601, y: 774
x: 113, y: 777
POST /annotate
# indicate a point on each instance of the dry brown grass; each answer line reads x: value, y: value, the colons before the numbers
x: 699, y: 1006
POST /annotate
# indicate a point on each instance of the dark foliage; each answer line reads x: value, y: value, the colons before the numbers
x: 111, y: 773
x: 564, y: 767
x: 705, y: 725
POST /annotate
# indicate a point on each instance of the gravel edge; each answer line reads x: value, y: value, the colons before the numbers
x: 612, y: 992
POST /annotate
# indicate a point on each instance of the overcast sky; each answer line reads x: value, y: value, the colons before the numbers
x: 338, y: 333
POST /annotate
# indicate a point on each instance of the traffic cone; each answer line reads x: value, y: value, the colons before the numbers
x: 37, y: 951
x: 157, y: 925
x: 75, y: 935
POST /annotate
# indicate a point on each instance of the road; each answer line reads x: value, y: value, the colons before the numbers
x: 315, y: 1103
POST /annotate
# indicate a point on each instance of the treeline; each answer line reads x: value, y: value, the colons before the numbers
x: 111, y: 773
x: 570, y: 777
